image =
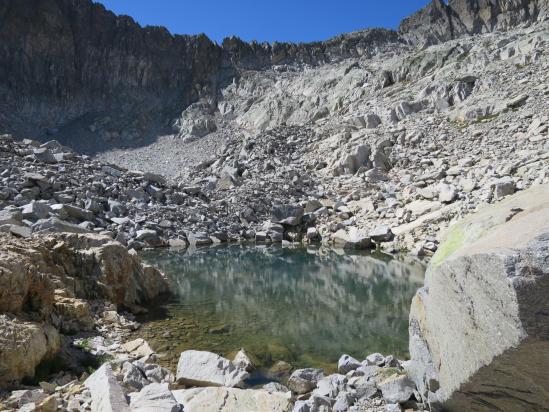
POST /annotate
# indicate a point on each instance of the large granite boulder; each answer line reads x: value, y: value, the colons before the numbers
x: 479, y: 330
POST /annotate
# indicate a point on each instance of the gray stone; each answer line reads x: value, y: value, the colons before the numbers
x: 54, y: 224
x: 352, y: 238
x: 154, y: 178
x: 364, y: 387
x: 44, y: 155
x: 200, y: 368
x: 446, y: 193
x: 312, y: 234
x: 36, y: 210
x: 343, y: 402
x: 232, y: 400
x: 21, y: 231
x: 358, y: 158
x: 133, y: 376
x: 275, y: 387
x: 117, y: 208
x: 155, y: 397
x: 375, y: 359
x: 78, y: 213
x: 243, y: 361
x: 504, y: 187
x: 10, y: 217
x: 106, y: 393
x: 381, y: 161
x: 397, y: 388
x: 381, y: 233
x: 22, y: 397
x: 94, y: 206
x: 312, y: 205
x: 393, y: 407
x: 199, y: 239
x: 304, y: 380
x: 372, y: 120
x: 347, y: 363
x: 330, y: 386
x: 290, y: 215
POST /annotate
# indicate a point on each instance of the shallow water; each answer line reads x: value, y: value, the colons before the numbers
x: 305, y: 307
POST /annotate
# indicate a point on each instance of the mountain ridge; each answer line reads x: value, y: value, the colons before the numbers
x: 64, y: 59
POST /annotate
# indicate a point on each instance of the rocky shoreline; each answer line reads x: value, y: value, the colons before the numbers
x: 63, y: 297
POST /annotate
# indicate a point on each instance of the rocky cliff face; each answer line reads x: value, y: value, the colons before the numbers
x: 61, y: 59
x: 69, y: 62
x: 47, y: 285
x: 442, y: 21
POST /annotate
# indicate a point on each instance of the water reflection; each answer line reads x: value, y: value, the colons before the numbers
x: 306, y: 307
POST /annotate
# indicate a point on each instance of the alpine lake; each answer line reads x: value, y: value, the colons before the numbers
x: 284, y: 305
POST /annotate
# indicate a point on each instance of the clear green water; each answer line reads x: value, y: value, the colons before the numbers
x: 305, y: 307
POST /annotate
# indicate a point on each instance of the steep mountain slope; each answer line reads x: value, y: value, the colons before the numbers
x: 69, y: 64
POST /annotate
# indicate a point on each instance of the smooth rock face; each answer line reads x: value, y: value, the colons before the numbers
x: 231, y: 400
x: 478, y: 325
x: 200, y: 368
x: 106, y: 392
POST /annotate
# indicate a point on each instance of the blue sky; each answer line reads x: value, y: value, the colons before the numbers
x: 263, y: 20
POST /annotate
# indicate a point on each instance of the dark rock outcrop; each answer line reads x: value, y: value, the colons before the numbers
x: 61, y: 59
x: 440, y: 21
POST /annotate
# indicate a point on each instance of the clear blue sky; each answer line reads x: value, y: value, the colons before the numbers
x: 266, y: 20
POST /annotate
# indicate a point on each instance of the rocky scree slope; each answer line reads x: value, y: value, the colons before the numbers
x: 407, y: 141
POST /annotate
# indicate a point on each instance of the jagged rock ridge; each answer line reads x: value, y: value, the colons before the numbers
x: 65, y: 60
